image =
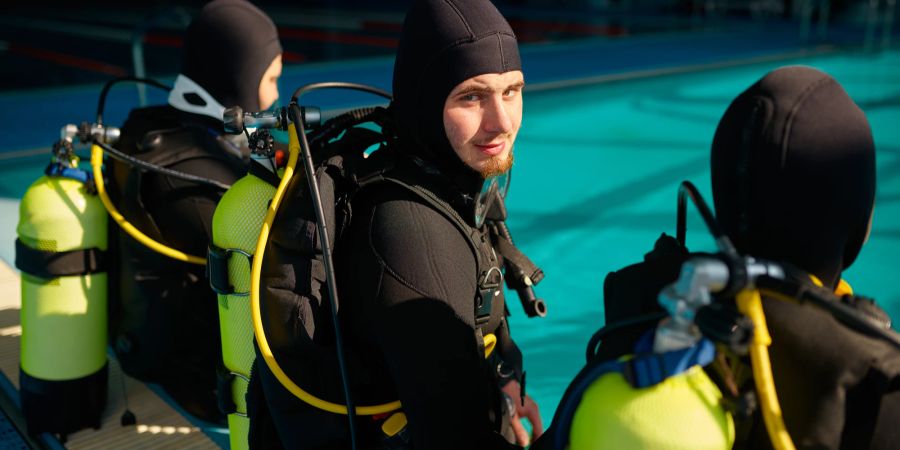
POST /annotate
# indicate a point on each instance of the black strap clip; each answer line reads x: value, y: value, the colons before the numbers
x: 488, y: 287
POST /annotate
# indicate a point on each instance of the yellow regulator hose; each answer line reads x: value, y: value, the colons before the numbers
x: 97, y: 165
x: 750, y: 303
x: 256, y: 270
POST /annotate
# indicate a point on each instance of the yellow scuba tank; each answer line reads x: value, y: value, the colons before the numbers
x: 60, y: 250
x: 235, y: 229
x: 655, y: 399
x: 682, y: 412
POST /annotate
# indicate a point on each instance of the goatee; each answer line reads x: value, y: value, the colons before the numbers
x: 497, y: 166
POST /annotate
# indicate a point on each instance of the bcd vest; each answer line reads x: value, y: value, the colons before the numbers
x: 163, y: 315
x: 299, y: 329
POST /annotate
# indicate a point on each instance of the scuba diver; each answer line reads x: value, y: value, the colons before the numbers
x: 420, y: 282
x: 164, y: 325
x: 793, y: 177
x: 793, y: 180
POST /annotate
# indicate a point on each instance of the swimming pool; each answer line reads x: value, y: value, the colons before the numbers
x: 597, y: 168
x: 595, y: 182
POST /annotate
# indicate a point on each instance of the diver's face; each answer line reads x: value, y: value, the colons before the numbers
x: 268, y: 85
x: 482, y: 117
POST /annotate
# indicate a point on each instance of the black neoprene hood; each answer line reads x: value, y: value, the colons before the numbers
x: 793, y: 172
x: 228, y: 48
x: 443, y: 43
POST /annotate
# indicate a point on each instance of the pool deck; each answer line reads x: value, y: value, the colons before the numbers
x: 159, y: 425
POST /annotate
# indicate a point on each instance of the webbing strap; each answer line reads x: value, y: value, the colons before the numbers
x: 48, y: 265
x: 649, y: 368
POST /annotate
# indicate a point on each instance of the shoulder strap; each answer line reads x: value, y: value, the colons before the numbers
x: 490, y: 277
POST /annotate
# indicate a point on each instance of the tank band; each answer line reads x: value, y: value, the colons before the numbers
x: 44, y: 264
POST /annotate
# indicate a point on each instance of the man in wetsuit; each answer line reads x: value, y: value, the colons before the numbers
x: 793, y: 176
x: 413, y: 265
x: 793, y: 181
x: 164, y: 317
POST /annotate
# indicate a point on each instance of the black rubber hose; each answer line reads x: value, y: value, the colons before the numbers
x: 688, y: 190
x: 329, y: 265
x: 161, y: 170
x: 339, y: 85
x: 101, y: 104
x: 296, y: 113
x: 533, y: 306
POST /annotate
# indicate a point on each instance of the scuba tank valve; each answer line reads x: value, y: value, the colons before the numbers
x: 87, y: 132
x: 236, y: 121
x: 699, y: 277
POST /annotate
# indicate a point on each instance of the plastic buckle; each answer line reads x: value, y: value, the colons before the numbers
x: 488, y: 288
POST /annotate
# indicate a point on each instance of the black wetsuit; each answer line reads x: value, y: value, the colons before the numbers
x: 414, y: 279
x: 164, y: 317
x: 408, y: 281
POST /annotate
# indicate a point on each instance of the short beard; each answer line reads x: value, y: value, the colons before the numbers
x: 495, y: 166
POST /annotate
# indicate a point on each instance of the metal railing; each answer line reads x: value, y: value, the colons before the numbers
x: 181, y: 19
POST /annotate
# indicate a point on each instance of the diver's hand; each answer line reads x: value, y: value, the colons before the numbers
x: 527, y: 411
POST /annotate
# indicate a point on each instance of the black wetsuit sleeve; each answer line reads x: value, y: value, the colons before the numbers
x: 422, y: 321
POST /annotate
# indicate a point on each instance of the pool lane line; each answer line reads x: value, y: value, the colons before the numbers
x: 99, y: 32
x: 121, y: 36
x: 582, y: 28
x: 336, y: 37
x: 650, y: 73
x: 62, y: 59
x: 16, y: 154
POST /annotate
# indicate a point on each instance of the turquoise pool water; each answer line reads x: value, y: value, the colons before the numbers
x: 597, y: 168
x: 595, y: 182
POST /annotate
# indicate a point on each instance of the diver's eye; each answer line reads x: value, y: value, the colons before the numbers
x: 471, y: 98
x: 512, y: 92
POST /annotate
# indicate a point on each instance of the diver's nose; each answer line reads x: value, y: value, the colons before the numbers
x: 496, y: 116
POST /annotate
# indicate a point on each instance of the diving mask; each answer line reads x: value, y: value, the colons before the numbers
x: 493, y: 190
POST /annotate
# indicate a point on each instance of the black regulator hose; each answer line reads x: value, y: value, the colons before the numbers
x: 161, y: 170
x: 521, y: 282
x: 737, y: 279
x: 101, y: 104
x: 297, y: 116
